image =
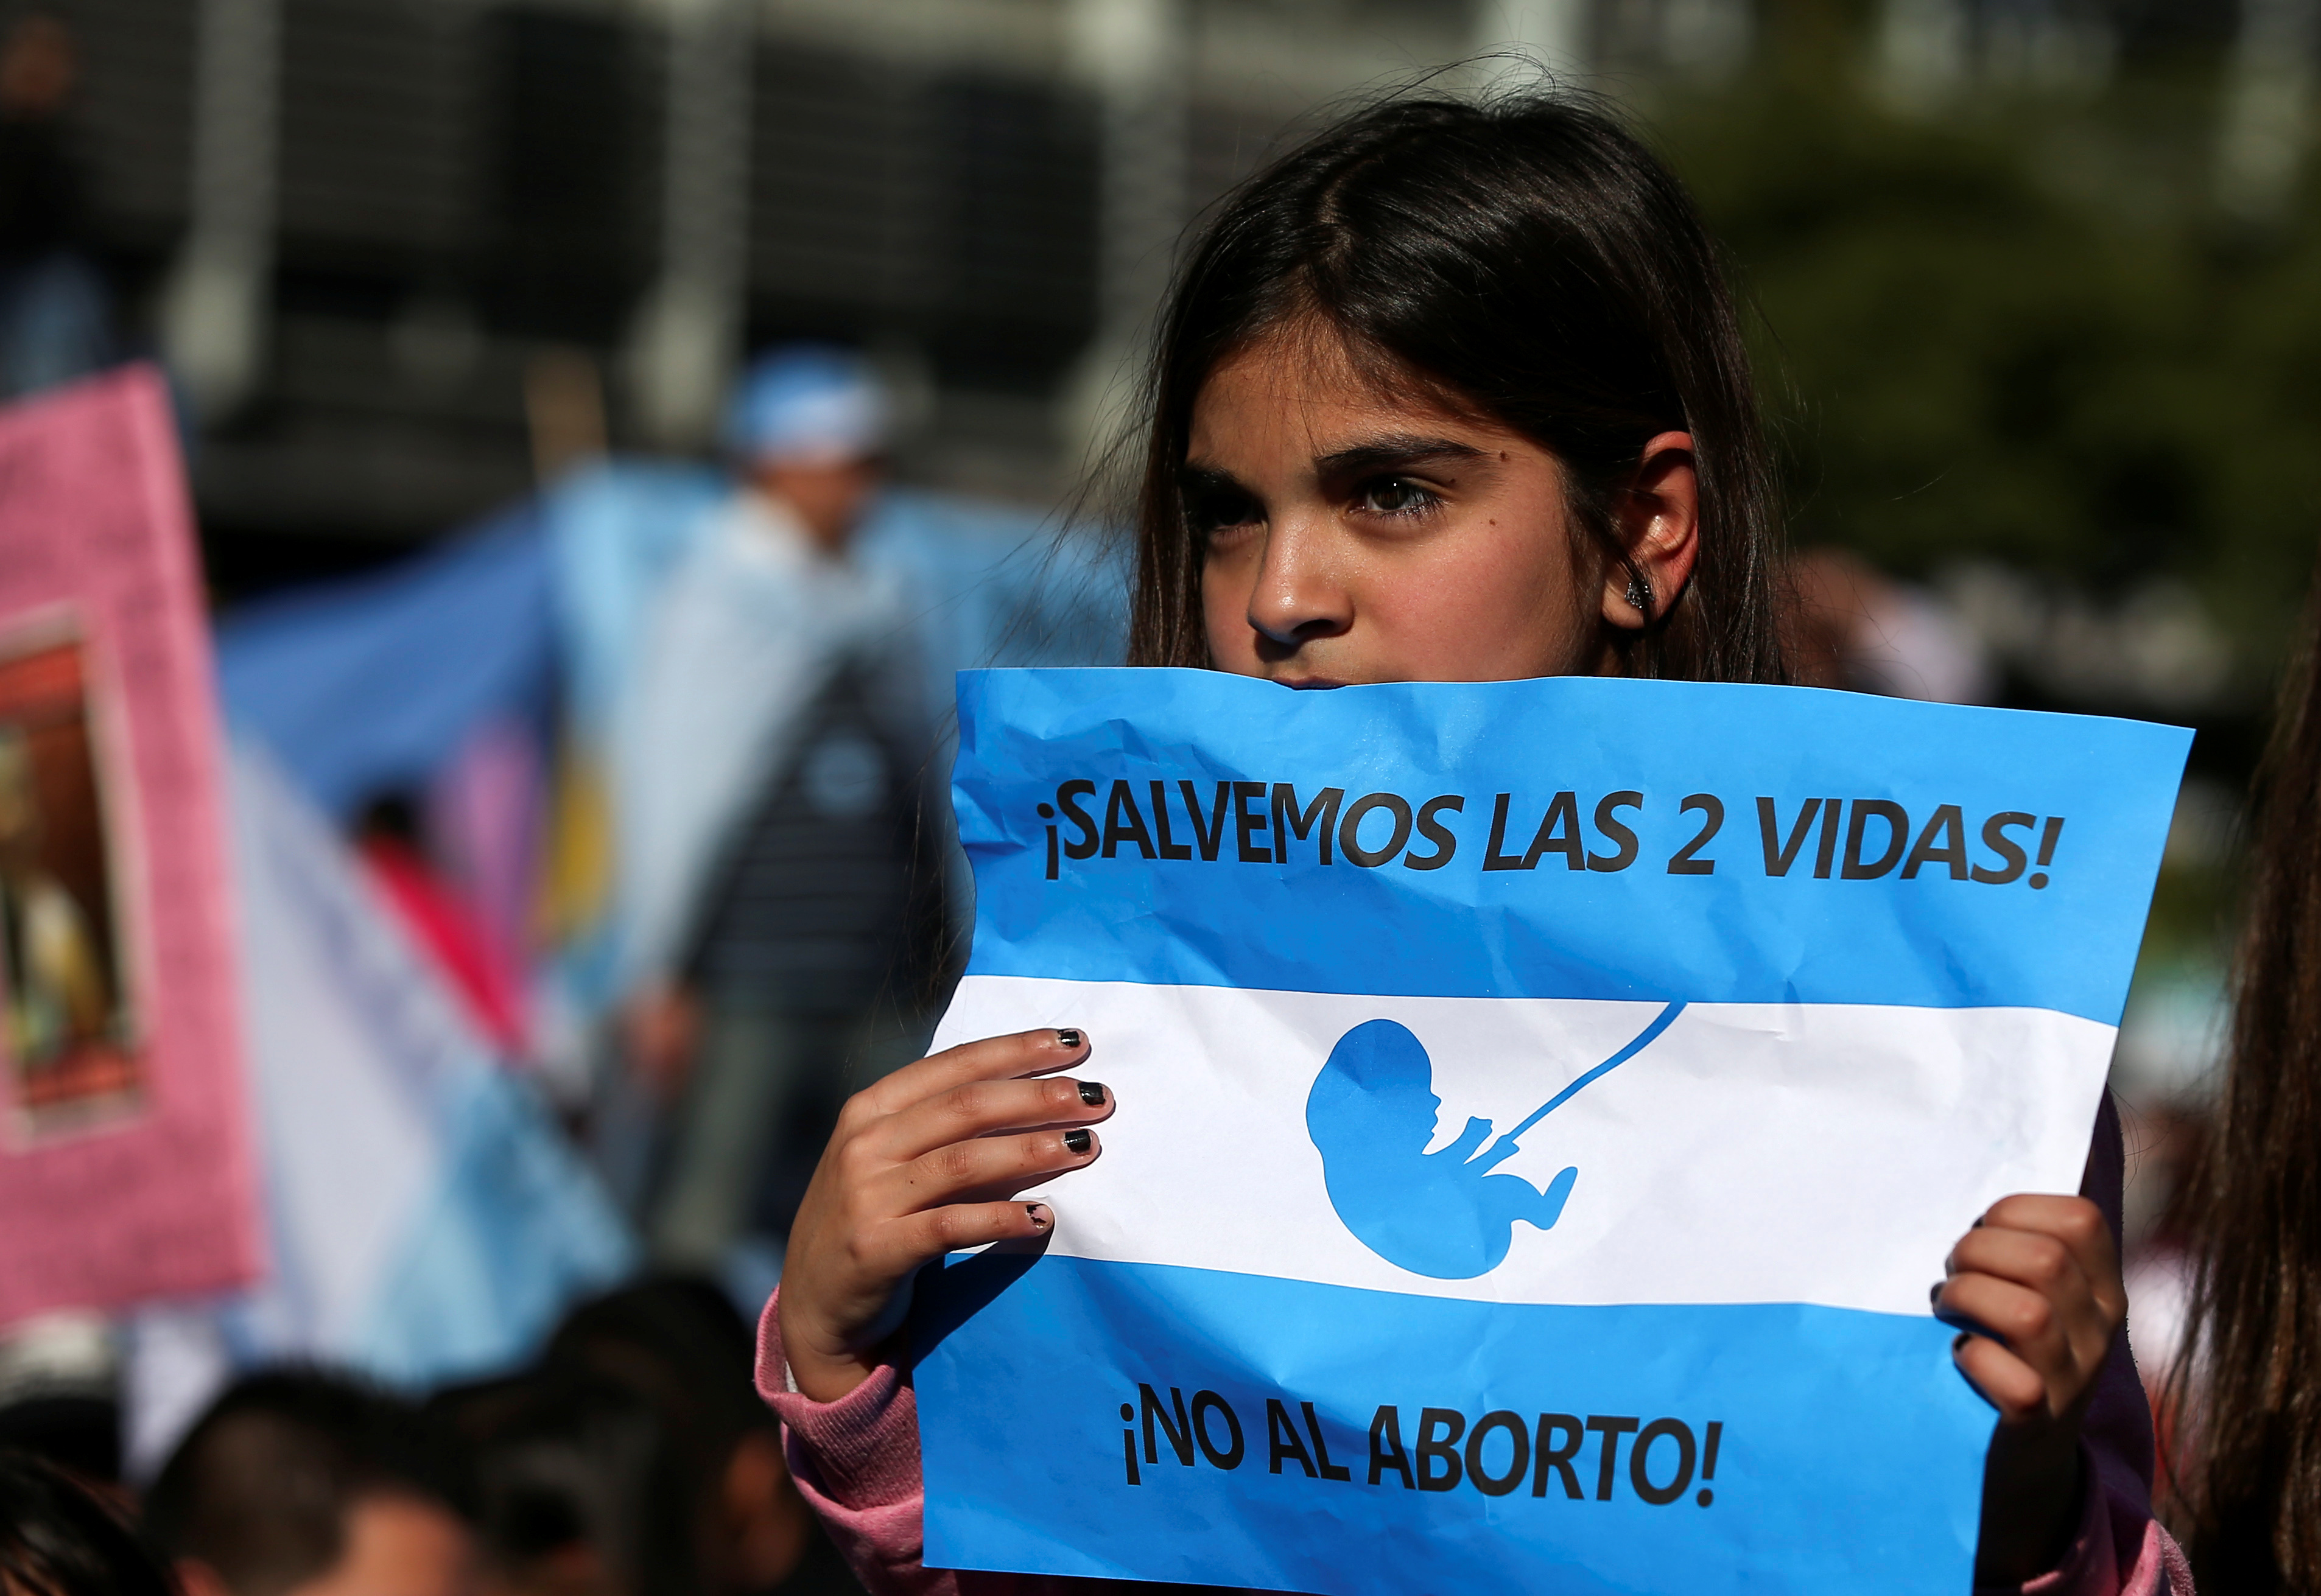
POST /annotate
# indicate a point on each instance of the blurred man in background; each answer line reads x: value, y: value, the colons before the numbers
x: 53, y: 312
x: 297, y: 1483
x: 780, y: 894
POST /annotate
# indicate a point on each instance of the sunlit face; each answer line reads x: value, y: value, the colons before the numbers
x: 1356, y: 536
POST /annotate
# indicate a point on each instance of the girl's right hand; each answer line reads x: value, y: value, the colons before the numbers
x: 922, y: 1162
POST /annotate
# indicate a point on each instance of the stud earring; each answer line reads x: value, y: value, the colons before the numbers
x: 1640, y: 595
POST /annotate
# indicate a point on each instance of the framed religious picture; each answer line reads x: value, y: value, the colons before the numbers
x: 69, y: 1036
x: 127, y: 1168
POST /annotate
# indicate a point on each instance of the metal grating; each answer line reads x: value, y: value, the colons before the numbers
x: 377, y: 108
x: 134, y: 117
x: 1016, y: 170
x: 957, y: 209
x: 567, y: 160
x: 840, y: 192
x: 461, y: 180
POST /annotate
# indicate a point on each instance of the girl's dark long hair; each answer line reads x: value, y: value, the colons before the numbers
x: 2250, y: 1380
x: 1526, y: 259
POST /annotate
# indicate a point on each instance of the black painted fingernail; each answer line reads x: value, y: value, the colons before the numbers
x: 1077, y: 1141
x: 1092, y: 1093
x: 1958, y: 1342
x: 1934, y: 1291
x: 1068, y: 1037
x: 1040, y: 1216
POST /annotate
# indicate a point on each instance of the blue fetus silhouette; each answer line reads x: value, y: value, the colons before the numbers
x: 1444, y: 1215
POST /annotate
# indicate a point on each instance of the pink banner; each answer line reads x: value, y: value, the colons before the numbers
x: 126, y: 1164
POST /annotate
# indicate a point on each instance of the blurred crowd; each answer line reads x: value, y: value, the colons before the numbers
x: 630, y: 1457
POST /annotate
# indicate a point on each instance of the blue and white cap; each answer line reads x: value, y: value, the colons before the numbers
x: 809, y: 404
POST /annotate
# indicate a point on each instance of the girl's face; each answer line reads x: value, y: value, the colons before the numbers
x: 1355, y: 537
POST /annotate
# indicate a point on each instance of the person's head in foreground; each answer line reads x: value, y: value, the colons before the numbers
x: 808, y: 425
x: 636, y: 1459
x: 58, y: 1539
x: 299, y: 1483
x: 1452, y: 392
x: 575, y: 1485
x: 678, y: 1340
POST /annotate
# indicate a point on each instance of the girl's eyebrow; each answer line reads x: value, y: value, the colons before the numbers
x: 1394, y: 452
x: 1193, y: 479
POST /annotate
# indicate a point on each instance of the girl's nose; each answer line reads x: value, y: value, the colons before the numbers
x: 1297, y: 596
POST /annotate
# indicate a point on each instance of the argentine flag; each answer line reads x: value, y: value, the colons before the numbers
x: 1544, y: 1108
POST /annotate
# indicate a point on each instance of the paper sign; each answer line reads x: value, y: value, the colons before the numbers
x: 1542, y: 1109
x: 125, y: 1166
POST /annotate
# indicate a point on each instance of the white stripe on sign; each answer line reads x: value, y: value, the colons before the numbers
x: 1226, y: 1155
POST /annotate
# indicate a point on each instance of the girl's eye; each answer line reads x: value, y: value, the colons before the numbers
x: 1395, y: 495
x: 1218, y: 510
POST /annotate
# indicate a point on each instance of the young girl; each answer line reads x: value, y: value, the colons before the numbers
x: 1450, y: 394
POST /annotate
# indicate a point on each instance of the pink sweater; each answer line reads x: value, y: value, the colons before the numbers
x: 857, y: 1462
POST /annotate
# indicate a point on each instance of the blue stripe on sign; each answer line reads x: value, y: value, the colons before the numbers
x: 1656, y: 840
x: 1096, y: 1425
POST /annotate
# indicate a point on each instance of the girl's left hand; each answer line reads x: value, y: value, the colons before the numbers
x: 2036, y: 1284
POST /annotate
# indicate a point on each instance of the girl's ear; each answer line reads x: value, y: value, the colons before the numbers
x: 1658, y: 520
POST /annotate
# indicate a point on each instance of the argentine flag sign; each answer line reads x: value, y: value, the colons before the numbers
x: 1544, y: 1108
